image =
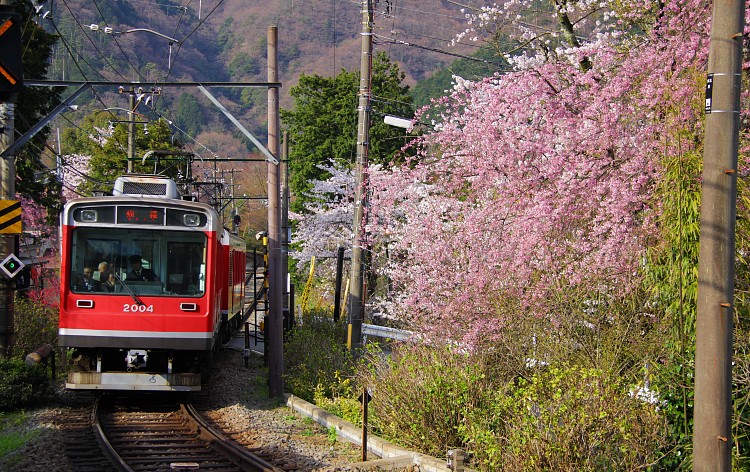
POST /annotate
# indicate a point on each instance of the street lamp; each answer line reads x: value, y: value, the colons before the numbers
x: 109, y: 30
x: 398, y: 122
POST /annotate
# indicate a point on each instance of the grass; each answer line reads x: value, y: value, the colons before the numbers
x: 12, y: 441
x: 12, y: 419
x: 333, y: 435
x: 10, y: 437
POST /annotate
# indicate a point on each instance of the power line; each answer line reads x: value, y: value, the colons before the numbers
x: 156, y: 82
x: 67, y: 47
x: 449, y: 41
x: 70, y: 52
x: 117, y: 42
x: 179, y: 46
x: 421, y: 13
x: 114, y: 69
x: 162, y: 5
x: 388, y: 40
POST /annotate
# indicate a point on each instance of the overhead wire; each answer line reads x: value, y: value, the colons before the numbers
x: 449, y: 41
x: 152, y: 108
x: 85, y: 33
x: 72, y: 169
x: 114, y: 38
x: 161, y: 5
x: 172, y: 124
x: 387, y: 39
x: 168, y: 57
x: 31, y: 37
x: 44, y: 168
x: 399, y: 11
x: 420, y: 12
x: 70, y: 52
x: 75, y: 61
x: 200, y: 23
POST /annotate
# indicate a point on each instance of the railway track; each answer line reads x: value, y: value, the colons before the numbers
x: 152, y: 434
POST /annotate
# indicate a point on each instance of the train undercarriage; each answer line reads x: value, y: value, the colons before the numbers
x: 138, y: 369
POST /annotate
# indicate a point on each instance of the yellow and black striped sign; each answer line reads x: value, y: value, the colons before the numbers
x: 10, y: 217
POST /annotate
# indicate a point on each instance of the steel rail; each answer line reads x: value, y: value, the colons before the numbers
x: 161, y: 440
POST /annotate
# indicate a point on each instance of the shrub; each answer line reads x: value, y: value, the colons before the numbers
x: 568, y: 418
x: 20, y: 384
x: 422, y: 394
x: 315, y: 356
x: 35, y: 324
x: 342, y: 400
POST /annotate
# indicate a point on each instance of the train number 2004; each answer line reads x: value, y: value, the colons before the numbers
x: 135, y: 308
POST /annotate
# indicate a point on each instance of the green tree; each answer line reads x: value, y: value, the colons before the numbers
x: 242, y: 65
x: 323, y: 123
x: 483, y: 63
x: 189, y: 114
x: 107, y: 146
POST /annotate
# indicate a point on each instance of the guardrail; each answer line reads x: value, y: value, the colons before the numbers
x: 386, y: 332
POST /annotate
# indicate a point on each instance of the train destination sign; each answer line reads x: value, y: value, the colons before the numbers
x: 140, y: 215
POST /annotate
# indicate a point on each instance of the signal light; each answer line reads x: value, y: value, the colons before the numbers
x: 12, y: 265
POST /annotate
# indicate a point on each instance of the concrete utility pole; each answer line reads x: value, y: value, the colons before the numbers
x: 355, y: 303
x: 276, y: 327
x: 712, y: 435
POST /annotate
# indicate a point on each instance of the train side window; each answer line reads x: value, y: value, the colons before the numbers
x: 186, y: 266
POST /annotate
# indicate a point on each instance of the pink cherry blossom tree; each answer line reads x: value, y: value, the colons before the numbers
x: 536, y: 188
x: 73, y: 171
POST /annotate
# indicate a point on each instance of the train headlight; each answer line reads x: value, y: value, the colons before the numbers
x: 191, y: 219
x: 88, y: 216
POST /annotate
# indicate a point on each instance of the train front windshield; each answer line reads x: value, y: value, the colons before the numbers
x: 144, y: 262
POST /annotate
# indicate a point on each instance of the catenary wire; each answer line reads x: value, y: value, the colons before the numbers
x: 85, y: 33
x: 127, y: 58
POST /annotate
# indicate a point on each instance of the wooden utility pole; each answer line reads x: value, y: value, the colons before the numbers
x: 712, y: 435
x: 275, y: 315
x: 355, y: 303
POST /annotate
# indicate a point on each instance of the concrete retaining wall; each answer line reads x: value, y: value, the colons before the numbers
x: 390, y: 454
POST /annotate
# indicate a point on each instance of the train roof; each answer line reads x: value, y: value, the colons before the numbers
x: 136, y: 185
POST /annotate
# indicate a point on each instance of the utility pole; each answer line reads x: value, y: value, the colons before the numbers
x: 285, y: 233
x: 712, y: 435
x: 7, y: 241
x: 131, y: 131
x: 276, y: 318
x: 355, y: 303
x: 11, y: 82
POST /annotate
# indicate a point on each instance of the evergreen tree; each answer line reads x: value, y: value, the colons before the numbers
x: 189, y: 114
x: 484, y: 63
x: 323, y: 124
x: 107, y: 147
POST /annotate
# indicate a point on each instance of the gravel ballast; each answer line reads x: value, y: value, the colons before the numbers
x: 238, y: 398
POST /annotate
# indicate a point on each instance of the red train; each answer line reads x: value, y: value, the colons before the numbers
x: 151, y: 284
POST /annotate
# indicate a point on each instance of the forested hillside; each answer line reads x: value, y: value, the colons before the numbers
x: 225, y: 40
